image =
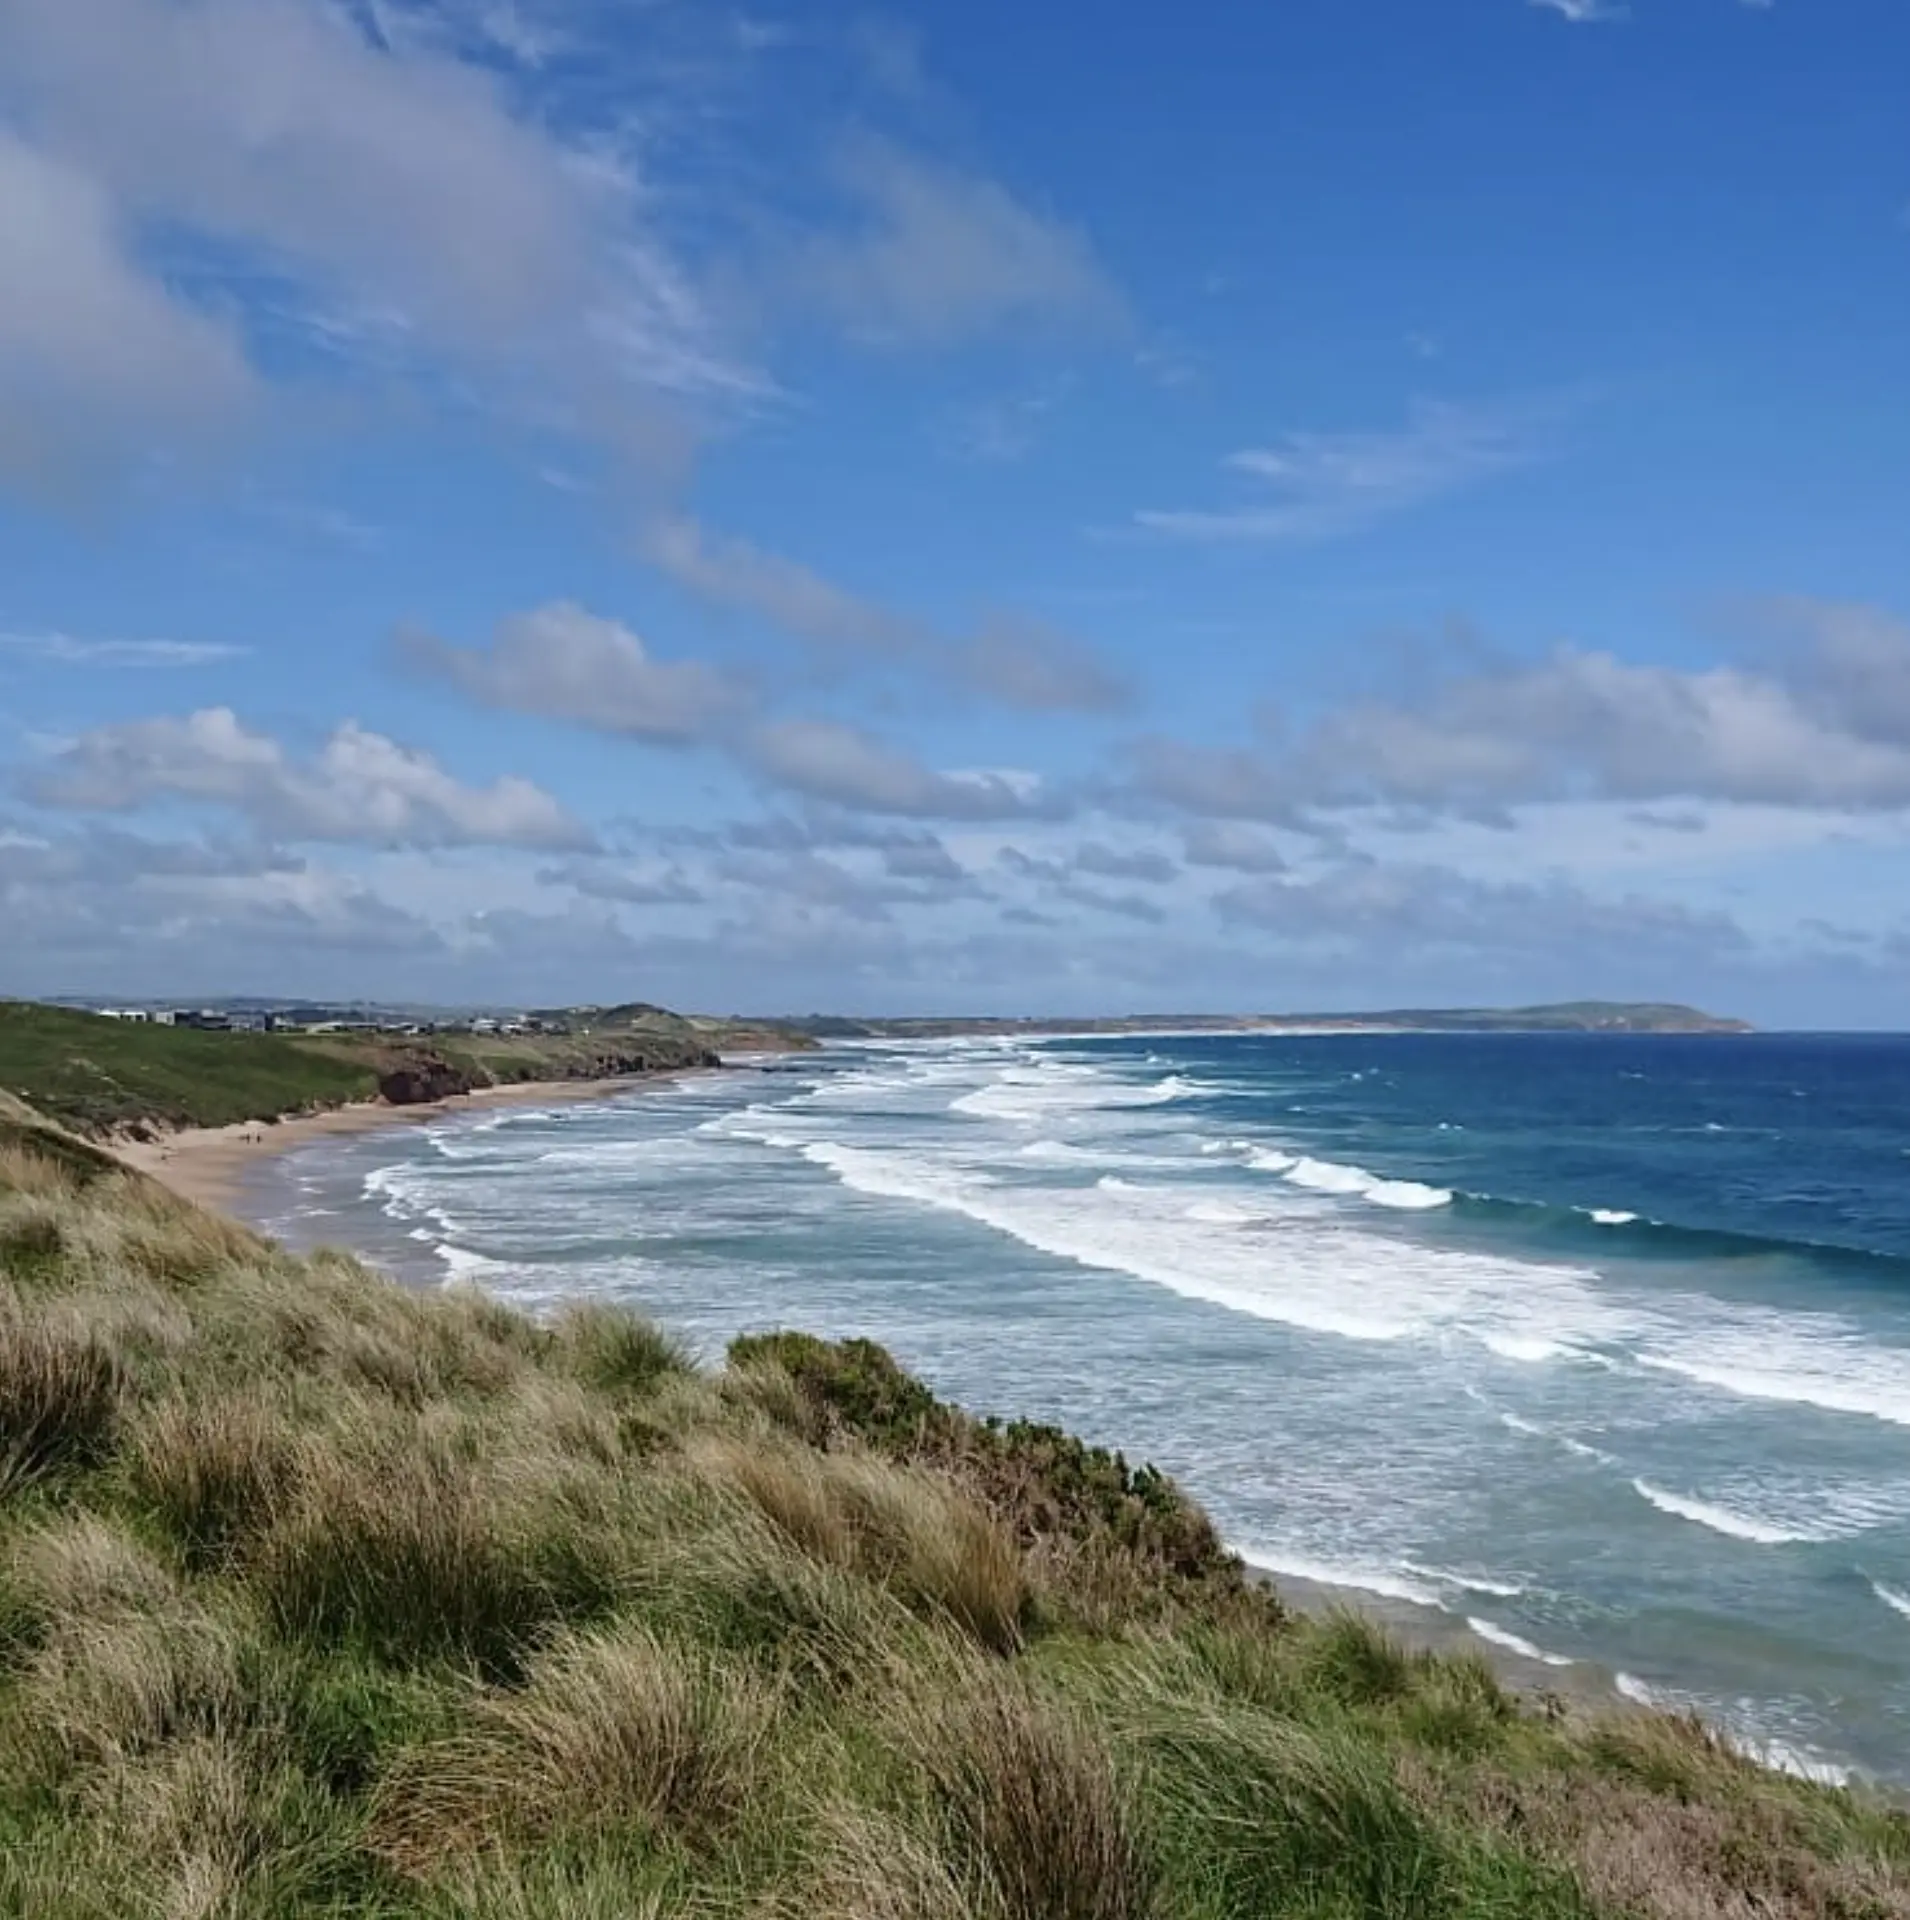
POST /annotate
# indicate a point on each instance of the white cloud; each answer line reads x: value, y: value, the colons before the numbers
x: 395, y: 191
x: 829, y: 761
x: 1317, y: 486
x: 1822, y: 724
x: 97, y: 356
x: 360, y: 786
x: 566, y: 663
x: 941, y: 255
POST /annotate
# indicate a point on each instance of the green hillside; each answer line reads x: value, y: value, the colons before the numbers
x: 97, y: 1075
x: 323, y: 1598
x: 101, y: 1076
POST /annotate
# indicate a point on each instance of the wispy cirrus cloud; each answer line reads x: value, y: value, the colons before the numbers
x: 1589, y: 12
x: 1009, y: 659
x: 1318, y: 486
x: 68, y: 650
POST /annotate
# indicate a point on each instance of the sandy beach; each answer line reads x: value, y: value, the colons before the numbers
x: 209, y: 1165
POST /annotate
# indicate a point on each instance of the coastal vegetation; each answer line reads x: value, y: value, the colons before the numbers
x: 323, y: 1597
x: 100, y: 1076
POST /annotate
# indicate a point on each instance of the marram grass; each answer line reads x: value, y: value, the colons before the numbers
x: 318, y: 1597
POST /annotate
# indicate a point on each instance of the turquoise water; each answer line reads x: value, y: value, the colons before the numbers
x: 1601, y: 1345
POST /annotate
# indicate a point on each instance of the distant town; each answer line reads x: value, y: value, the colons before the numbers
x: 344, y: 1019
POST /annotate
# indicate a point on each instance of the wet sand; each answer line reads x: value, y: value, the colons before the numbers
x: 210, y: 1165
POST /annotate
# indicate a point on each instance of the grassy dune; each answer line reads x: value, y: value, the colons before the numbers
x: 322, y: 1597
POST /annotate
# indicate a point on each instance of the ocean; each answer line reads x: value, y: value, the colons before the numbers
x: 1598, y: 1344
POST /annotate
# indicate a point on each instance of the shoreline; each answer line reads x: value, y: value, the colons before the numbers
x: 215, y: 1167
x: 210, y: 1166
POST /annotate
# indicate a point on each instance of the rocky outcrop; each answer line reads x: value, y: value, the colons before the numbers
x: 413, y: 1082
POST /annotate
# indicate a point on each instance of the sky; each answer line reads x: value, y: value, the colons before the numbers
x: 965, y: 508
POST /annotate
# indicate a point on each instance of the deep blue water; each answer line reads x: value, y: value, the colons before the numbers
x: 1601, y: 1344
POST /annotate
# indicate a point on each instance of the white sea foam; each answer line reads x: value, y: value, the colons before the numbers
x: 1324, y: 1276
x: 1892, y: 1598
x: 1611, y: 1217
x: 1217, y: 1213
x: 1529, y: 1350
x: 1513, y: 1643
x: 1471, y: 1582
x: 1635, y: 1690
x: 1516, y: 1423
x: 1739, y: 1526
x: 1271, y: 1160
x: 1356, y: 1183
x: 1809, y: 1360
x: 1388, y: 1583
x: 1025, y: 1094
x: 1063, y: 1153
x: 464, y: 1264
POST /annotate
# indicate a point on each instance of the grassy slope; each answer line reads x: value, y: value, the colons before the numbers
x: 97, y: 1075
x: 321, y: 1597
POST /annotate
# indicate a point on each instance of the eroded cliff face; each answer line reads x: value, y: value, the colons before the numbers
x: 413, y: 1082
x: 423, y: 1076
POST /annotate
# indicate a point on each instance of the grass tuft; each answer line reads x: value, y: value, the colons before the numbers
x: 618, y: 1353
x: 611, y: 1731
x: 60, y: 1388
x: 215, y: 1472
x: 1026, y: 1806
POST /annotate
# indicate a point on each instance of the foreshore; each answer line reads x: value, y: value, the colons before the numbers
x: 210, y: 1165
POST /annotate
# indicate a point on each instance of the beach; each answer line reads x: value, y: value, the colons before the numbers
x: 210, y: 1165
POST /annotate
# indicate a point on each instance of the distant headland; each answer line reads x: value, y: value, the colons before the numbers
x: 1571, y: 1016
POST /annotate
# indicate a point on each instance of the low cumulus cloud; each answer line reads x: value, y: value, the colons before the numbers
x: 1820, y: 721
x: 101, y: 910
x: 564, y: 663
x: 1379, y: 908
x: 830, y: 761
x: 359, y: 786
x: 1231, y: 846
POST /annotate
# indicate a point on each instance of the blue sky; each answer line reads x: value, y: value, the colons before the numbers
x: 959, y: 508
